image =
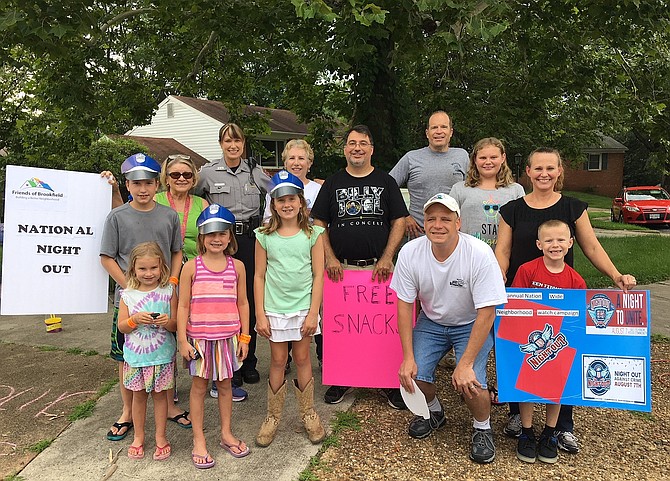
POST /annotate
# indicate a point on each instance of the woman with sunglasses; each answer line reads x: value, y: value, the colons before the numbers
x: 178, y: 176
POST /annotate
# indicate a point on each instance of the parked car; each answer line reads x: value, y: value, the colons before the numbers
x: 646, y: 205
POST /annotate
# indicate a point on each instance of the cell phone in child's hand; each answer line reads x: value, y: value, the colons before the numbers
x: 155, y: 315
x: 196, y: 354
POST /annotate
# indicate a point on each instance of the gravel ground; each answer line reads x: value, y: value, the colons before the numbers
x: 615, y: 444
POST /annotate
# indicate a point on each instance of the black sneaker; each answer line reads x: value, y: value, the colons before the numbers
x: 237, y: 378
x: 547, y: 449
x: 483, y: 448
x: 335, y: 394
x: 251, y: 376
x: 526, y: 449
x: 287, y: 368
x: 420, y: 428
x: 393, y: 398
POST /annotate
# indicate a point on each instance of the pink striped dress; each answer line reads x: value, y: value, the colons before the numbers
x: 214, y: 321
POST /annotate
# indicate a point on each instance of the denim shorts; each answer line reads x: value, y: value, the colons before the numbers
x: 432, y: 341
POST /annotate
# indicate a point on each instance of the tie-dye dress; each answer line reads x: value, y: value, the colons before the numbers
x: 149, y: 351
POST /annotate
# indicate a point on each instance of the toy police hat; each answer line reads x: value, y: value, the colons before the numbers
x: 215, y: 218
x: 285, y: 183
x: 446, y: 200
x: 140, y: 167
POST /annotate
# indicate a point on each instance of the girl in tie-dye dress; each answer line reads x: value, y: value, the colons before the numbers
x: 147, y: 315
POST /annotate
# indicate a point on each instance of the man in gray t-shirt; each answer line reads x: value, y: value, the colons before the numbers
x: 430, y: 170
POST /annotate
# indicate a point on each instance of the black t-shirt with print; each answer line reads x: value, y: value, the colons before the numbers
x: 359, y: 211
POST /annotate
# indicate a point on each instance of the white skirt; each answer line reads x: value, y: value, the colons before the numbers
x: 286, y: 327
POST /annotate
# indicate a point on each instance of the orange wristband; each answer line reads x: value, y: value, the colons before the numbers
x: 131, y: 324
x: 174, y: 280
x: 244, y: 338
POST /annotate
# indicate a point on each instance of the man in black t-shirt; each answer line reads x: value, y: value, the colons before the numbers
x: 364, y: 213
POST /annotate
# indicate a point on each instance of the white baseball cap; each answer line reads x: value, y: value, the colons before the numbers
x: 446, y: 200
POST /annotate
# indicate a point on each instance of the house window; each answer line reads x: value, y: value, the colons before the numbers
x: 170, y: 111
x: 271, y: 157
x: 596, y: 162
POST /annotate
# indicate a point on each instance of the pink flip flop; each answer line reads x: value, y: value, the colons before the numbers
x: 163, y: 452
x: 136, y: 452
x: 230, y: 447
x: 206, y: 464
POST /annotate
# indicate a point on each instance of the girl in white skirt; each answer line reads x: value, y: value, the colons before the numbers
x: 288, y: 288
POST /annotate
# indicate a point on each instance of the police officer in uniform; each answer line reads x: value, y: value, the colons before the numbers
x: 239, y: 185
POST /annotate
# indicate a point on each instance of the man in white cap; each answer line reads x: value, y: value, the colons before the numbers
x: 459, y: 284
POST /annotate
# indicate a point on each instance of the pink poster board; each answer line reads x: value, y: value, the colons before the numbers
x: 361, y: 345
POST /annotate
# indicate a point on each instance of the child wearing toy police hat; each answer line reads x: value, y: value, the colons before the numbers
x: 140, y: 220
x: 288, y: 289
x: 213, y: 326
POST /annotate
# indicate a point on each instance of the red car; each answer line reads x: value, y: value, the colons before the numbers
x: 645, y: 205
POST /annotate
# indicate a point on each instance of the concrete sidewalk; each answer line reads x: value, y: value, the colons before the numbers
x: 81, y: 452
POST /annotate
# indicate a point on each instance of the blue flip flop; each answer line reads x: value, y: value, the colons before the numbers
x: 119, y: 435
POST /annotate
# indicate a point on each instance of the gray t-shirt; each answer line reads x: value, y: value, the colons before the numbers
x: 125, y: 227
x: 480, y: 209
x: 425, y: 173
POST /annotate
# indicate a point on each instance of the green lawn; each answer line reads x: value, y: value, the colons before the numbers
x: 601, y: 220
x: 645, y: 257
x: 597, y: 201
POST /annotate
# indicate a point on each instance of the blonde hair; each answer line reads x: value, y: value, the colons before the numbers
x: 298, y: 144
x: 503, y: 177
x: 178, y: 159
x: 146, y: 249
x: 229, y: 250
x: 553, y: 223
x: 558, y: 186
x: 275, y: 221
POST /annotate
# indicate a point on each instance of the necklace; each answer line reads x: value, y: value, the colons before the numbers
x: 187, y: 207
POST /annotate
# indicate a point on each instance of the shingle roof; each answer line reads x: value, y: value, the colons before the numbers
x: 280, y: 120
x: 160, y: 147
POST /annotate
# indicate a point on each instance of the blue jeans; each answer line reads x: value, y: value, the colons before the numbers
x: 432, y: 341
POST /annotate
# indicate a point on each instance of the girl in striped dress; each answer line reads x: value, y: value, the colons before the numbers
x: 213, y: 326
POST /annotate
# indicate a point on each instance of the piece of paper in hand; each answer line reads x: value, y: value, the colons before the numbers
x: 416, y: 401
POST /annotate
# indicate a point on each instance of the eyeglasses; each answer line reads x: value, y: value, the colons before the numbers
x: 352, y: 144
x: 185, y: 175
x: 493, y: 207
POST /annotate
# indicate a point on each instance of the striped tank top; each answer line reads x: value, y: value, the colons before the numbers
x: 214, y: 313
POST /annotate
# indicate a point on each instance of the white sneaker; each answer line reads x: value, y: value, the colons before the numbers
x: 567, y: 441
x: 214, y: 393
x: 513, y: 428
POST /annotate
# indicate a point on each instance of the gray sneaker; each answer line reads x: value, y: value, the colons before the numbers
x: 567, y: 441
x: 513, y: 427
x: 483, y: 448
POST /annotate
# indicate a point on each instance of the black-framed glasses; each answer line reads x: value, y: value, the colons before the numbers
x: 185, y: 175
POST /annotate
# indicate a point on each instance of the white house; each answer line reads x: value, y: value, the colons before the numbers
x: 195, y: 123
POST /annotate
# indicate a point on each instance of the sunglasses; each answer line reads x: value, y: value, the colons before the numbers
x: 185, y: 175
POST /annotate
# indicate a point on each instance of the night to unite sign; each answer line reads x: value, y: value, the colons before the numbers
x: 579, y: 347
x: 361, y: 346
x: 51, y: 251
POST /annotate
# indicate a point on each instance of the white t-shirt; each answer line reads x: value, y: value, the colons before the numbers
x: 450, y: 292
x: 311, y: 191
